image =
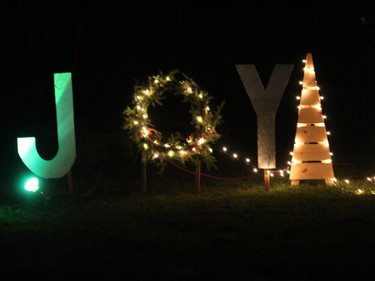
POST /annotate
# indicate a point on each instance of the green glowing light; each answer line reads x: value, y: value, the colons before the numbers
x: 58, y: 166
x: 32, y: 185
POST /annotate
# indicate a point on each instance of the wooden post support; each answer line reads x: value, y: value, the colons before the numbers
x: 295, y: 182
x: 198, y: 175
x: 144, y: 172
x: 330, y: 181
x: 266, y: 180
x: 69, y: 178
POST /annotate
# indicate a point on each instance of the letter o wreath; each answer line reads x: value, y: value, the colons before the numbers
x: 151, y: 141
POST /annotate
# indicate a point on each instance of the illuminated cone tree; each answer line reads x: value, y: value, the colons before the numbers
x: 311, y: 158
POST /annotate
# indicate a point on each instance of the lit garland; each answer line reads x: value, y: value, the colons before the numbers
x: 254, y: 169
x: 282, y: 172
x: 150, y: 141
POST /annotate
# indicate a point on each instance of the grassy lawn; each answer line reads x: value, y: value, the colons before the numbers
x: 229, y: 231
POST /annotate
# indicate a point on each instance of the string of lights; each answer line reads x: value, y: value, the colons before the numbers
x: 247, y: 161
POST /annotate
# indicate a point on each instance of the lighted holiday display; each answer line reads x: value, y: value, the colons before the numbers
x: 62, y: 162
x: 311, y: 153
x: 156, y: 147
x: 265, y: 103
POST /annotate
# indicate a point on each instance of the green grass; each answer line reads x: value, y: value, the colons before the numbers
x: 231, y: 230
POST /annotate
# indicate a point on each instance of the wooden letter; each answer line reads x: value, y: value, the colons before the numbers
x: 265, y: 103
x: 62, y: 162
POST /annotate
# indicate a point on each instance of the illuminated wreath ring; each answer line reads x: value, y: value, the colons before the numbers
x: 151, y: 141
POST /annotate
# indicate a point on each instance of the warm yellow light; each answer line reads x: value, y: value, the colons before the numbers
x: 170, y: 153
x: 247, y: 160
x: 324, y: 143
x: 199, y: 119
x: 297, y: 143
x: 309, y: 69
x: 235, y: 155
x: 255, y: 170
x: 225, y: 149
x: 359, y: 191
x: 145, y: 131
x: 147, y: 92
x: 201, y: 141
x: 136, y: 122
x: 319, y: 125
x: 145, y: 146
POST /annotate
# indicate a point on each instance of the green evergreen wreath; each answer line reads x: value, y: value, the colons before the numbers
x: 152, y: 142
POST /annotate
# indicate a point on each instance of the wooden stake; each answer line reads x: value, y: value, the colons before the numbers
x: 330, y: 181
x: 295, y: 182
x: 198, y: 175
x: 144, y: 172
x: 266, y: 180
x: 69, y: 178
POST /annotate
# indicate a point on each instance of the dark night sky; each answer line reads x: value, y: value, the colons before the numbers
x: 109, y: 47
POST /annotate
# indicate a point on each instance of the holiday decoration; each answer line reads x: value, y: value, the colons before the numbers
x: 32, y: 184
x: 311, y: 153
x: 63, y: 161
x: 151, y: 142
x: 265, y: 103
